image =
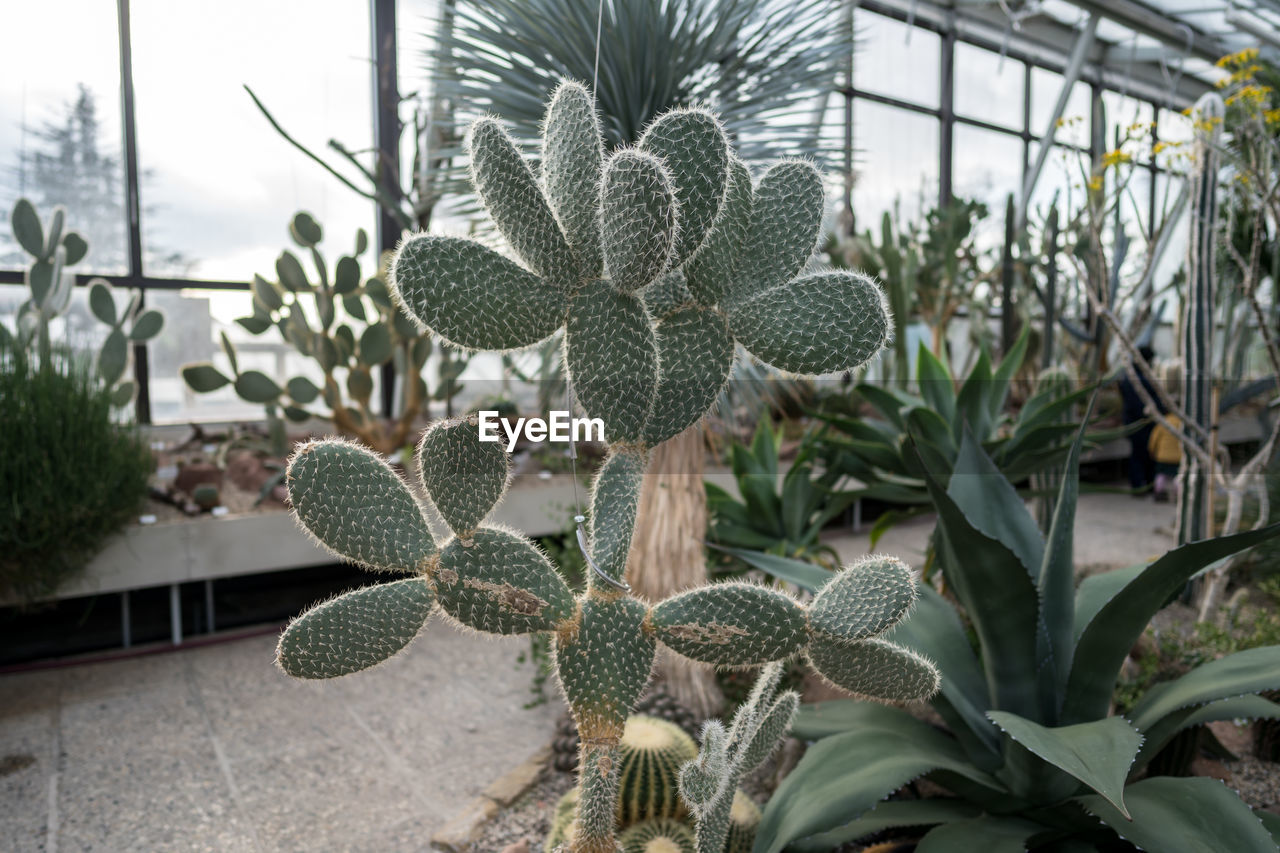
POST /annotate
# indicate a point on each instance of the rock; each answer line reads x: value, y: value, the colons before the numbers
x: 464, y: 829
x: 195, y: 474
x: 521, y: 846
x: 514, y: 783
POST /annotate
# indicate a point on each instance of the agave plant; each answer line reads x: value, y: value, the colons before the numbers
x: 875, y: 453
x: 1031, y: 748
x: 778, y: 513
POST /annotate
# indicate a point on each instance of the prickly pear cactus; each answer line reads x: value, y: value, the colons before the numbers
x: 655, y: 260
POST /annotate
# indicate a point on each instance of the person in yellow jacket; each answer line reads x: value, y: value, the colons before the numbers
x: 1166, y: 450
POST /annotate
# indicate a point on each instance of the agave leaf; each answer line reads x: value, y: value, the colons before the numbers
x: 891, y: 814
x: 992, y: 506
x: 1235, y: 708
x: 988, y: 833
x: 826, y: 790
x: 1191, y: 815
x: 1249, y: 671
x: 1107, y: 639
x: 1098, y: 753
x: 936, y: 384
x: 934, y: 630
x: 804, y: 575
x: 999, y: 598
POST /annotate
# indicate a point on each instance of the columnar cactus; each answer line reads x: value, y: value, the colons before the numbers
x: 655, y: 260
x: 709, y: 784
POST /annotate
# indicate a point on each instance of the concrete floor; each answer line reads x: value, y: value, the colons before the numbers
x: 1112, y: 531
x: 214, y: 749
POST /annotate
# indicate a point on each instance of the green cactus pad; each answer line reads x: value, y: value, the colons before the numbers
x: 876, y: 669
x: 667, y: 295
x: 694, y: 149
x: 696, y: 354
x: 817, y: 324
x: 500, y: 583
x: 612, y: 356
x: 773, y: 727
x: 863, y: 600
x: 700, y: 779
x: 711, y: 271
x: 637, y: 219
x: 786, y: 219
x: 511, y: 194
x: 614, y: 498
x: 464, y: 476
x: 572, y: 153
x: 355, y: 630
x: 605, y: 662
x: 653, y: 751
x: 737, y: 624
x: 744, y: 820
x: 661, y: 835
x: 473, y: 297
x: 354, y: 504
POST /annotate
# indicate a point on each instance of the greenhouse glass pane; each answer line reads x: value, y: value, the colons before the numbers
x: 1045, y: 88
x: 221, y: 184
x: 986, y: 166
x: 893, y: 59
x: 989, y: 87
x: 896, y: 163
x: 60, y: 126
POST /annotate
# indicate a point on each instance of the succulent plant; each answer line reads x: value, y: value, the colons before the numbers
x: 55, y: 249
x: 660, y: 835
x: 709, y: 784
x: 675, y: 224
x: 744, y: 818
x: 653, y: 752
x: 354, y: 329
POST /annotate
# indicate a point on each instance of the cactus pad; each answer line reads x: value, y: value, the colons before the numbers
x: 786, y: 220
x: 612, y: 356
x: 667, y: 295
x: 464, y: 476
x: 498, y: 582
x: 738, y: 624
x: 863, y: 600
x: 605, y: 663
x: 510, y: 192
x: 615, y: 497
x: 817, y: 324
x: 876, y: 669
x: 354, y: 631
x: 473, y: 297
x: 572, y: 153
x: 693, y: 147
x: 356, y: 506
x: 696, y: 354
x: 711, y: 270
x: 637, y: 219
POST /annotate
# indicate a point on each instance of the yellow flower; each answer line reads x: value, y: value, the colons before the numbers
x: 1115, y: 158
x: 1252, y: 93
x: 1159, y: 146
x: 1095, y: 183
x: 1271, y: 116
x: 1249, y: 54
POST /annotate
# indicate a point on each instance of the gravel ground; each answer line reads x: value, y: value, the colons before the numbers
x: 529, y: 817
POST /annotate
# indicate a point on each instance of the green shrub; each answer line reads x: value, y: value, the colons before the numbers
x: 69, y: 475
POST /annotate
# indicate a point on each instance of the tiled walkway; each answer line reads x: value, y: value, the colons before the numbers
x: 214, y: 749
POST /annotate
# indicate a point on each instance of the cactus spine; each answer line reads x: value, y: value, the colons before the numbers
x: 648, y: 260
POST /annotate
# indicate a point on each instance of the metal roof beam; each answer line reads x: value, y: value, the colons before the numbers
x: 1143, y: 19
